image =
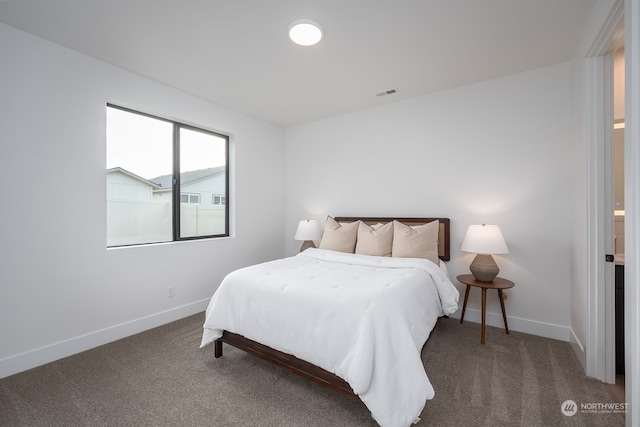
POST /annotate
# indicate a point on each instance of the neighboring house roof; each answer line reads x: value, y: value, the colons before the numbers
x: 134, y: 176
x: 164, y: 181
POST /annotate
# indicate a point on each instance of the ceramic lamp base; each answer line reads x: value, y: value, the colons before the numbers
x: 484, y: 268
x: 306, y: 245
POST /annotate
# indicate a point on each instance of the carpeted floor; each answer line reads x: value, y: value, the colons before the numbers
x: 162, y: 378
x: 512, y: 380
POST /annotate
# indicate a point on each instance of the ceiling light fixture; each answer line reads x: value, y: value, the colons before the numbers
x: 305, y: 32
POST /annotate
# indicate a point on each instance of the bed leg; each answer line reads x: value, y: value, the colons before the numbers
x: 217, y: 345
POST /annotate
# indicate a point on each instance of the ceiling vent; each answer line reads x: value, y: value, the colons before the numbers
x: 386, y: 92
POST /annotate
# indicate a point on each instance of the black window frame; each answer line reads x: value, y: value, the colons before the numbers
x: 175, y: 188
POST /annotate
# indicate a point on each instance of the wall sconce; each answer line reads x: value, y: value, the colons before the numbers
x: 308, y: 230
x: 484, y: 240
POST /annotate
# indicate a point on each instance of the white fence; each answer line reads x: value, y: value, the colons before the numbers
x: 133, y: 222
x: 201, y: 220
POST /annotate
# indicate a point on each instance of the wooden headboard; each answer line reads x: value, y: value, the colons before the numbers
x: 444, y: 239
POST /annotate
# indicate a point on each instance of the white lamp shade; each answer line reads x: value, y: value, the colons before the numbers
x: 308, y: 230
x: 484, y: 239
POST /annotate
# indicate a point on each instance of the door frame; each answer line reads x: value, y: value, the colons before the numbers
x: 598, y: 354
x: 632, y: 210
x: 600, y: 313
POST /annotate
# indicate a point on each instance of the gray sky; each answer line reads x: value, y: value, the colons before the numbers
x: 142, y: 145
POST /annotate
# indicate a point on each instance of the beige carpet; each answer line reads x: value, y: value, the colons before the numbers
x: 162, y: 378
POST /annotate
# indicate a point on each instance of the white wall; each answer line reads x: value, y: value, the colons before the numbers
x: 495, y: 152
x: 62, y: 291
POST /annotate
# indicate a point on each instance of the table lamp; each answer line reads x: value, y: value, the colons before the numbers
x: 308, y: 230
x: 484, y: 240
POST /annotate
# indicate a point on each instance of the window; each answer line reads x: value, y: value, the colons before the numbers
x: 166, y: 181
x: 190, y: 198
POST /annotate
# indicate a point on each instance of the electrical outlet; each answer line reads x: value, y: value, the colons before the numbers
x: 505, y: 295
x: 171, y: 292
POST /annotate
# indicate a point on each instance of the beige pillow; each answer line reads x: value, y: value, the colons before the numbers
x: 341, y: 238
x: 375, y: 241
x: 416, y: 242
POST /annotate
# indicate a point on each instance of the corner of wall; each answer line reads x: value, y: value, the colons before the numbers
x: 578, y: 349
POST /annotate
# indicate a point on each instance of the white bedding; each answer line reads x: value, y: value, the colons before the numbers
x: 363, y: 318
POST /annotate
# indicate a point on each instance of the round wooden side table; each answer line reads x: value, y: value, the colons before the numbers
x: 498, y: 284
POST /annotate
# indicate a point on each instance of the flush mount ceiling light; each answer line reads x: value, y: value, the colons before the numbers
x: 305, y: 32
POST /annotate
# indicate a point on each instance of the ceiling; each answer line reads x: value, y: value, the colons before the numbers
x: 236, y: 53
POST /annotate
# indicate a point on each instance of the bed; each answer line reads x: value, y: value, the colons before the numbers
x: 352, y: 320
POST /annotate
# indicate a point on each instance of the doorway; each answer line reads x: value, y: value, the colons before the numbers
x: 618, y: 220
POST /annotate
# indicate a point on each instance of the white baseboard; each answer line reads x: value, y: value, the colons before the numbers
x: 533, y: 327
x: 578, y: 349
x: 40, y: 356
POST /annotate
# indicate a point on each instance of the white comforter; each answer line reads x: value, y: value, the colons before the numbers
x: 360, y: 317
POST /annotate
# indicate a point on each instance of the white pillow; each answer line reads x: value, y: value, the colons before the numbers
x: 375, y: 241
x: 416, y: 242
x: 341, y: 238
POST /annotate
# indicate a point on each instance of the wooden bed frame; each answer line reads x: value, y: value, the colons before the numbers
x: 308, y: 370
